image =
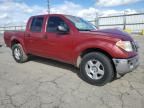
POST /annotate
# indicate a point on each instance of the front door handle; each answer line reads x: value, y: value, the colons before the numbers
x: 28, y: 35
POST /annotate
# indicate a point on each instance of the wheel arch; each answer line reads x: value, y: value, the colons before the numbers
x: 18, y: 41
x: 89, y: 50
x: 15, y: 41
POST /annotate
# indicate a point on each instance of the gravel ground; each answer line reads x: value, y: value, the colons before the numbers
x: 43, y: 83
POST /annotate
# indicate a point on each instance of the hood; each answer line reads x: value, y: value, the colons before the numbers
x: 113, y: 33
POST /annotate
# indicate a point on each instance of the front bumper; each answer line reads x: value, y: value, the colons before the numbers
x: 124, y: 66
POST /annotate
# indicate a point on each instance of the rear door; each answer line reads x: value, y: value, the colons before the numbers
x: 35, y: 35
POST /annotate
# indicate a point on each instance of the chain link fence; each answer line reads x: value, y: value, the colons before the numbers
x: 128, y: 22
x: 2, y: 29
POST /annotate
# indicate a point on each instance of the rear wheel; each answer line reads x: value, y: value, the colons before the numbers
x: 96, y: 69
x: 18, y: 53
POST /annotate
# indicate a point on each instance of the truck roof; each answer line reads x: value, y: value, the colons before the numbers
x: 50, y: 15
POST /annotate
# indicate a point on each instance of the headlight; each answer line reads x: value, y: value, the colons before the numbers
x: 125, y: 45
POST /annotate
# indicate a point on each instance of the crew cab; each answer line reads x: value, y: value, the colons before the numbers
x: 99, y: 54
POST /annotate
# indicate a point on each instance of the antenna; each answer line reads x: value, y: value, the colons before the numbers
x: 48, y: 6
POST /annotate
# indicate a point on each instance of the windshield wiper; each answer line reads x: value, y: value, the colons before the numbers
x: 84, y: 30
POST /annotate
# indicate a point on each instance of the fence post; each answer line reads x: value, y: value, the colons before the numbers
x: 4, y: 28
x: 97, y: 20
x: 124, y: 20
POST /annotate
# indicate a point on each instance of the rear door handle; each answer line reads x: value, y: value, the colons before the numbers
x: 45, y: 36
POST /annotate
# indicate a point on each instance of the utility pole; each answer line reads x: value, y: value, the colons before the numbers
x: 48, y: 6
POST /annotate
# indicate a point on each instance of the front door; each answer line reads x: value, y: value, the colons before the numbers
x: 59, y: 45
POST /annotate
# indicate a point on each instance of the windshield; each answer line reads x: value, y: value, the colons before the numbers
x: 81, y: 24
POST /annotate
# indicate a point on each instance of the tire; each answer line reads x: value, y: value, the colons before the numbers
x: 18, y: 53
x: 96, y: 69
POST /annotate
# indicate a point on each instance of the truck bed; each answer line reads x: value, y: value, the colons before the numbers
x: 11, y: 34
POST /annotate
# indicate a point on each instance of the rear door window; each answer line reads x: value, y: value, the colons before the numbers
x: 36, y: 25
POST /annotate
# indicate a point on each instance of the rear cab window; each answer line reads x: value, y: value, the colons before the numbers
x: 37, y: 24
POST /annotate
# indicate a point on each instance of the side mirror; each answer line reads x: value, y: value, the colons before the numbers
x: 62, y: 29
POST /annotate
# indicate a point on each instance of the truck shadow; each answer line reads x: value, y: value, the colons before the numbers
x: 54, y: 63
x: 62, y: 65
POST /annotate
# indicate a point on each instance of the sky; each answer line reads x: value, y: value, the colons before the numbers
x: 17, y: 12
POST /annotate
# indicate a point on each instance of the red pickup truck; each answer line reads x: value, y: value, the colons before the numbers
x: 99, y: 54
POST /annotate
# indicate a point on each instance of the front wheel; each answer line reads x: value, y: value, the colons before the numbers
x: 18, y: 53
x: 96, y: 68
